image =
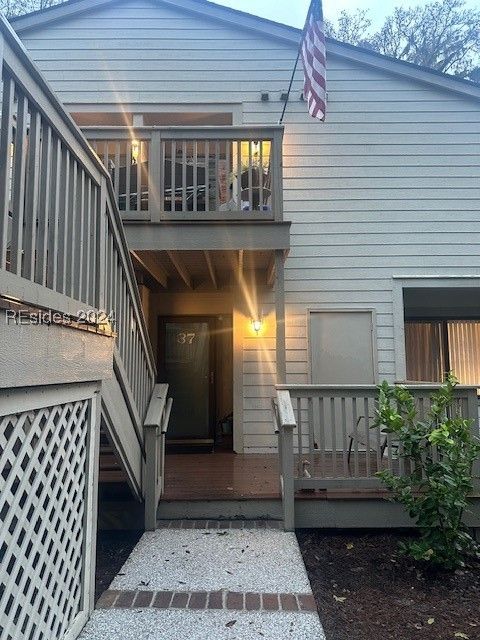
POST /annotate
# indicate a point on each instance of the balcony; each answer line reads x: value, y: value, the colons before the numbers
x: 170, y: 177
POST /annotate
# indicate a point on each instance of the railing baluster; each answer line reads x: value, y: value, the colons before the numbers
x: 207, y: 175
x: 355, y: 433
x: 44, y: 205
x: 299, y: 437
x: 333, y: 423
x: 173, y: 167
x: 195, y: 176
x: 260, y: 177
x: 31, y: 194
x: 250, y: 177
x: 56, y: 182
x: 228, y: 171
x: 6, y: 139
x: 63, y: 218
x: 19, y: 178
x: 344, y: 436
x: 321, y: 434
x: 366, y: 410
x: 128, y: 174
x: 239, y: 175
x: 217, y: 179
x: 116, y: 174
x: 79, y: 231
x: 184, y: 175
x: 87, y: 238
x: 311, y: 434
x: 139, y: 177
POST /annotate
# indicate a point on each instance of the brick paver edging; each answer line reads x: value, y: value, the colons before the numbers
x: 229, y: 600
x: 219, y: 524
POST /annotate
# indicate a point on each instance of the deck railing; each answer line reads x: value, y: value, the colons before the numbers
x: 182, y: 173
x: 327, y: 438
x: 62, y: 245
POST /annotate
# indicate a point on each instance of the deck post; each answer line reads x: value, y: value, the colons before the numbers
x: 156, y: 196
x: 287, y: 476
x: 151, y: 466
x: 280, y: 316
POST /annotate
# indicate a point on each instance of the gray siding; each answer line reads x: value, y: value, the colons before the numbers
x: 388, y: 186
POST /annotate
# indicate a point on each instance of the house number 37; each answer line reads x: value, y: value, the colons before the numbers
x: 185, y: 338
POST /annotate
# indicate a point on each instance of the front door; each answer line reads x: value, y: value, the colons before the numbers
x: 186, y: 363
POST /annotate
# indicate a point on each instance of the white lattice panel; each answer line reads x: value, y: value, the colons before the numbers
x: 43, y: 496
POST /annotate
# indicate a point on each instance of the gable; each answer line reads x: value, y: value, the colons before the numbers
x: 240, y: 21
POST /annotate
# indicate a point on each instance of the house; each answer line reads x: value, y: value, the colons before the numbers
x: 316, y: 257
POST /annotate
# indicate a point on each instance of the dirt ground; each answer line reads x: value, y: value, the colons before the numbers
x: 365, y: 590
x: 113, y: 548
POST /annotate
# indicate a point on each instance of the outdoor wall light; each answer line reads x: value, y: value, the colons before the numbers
x: 257, y: 324
x: 135, y: 151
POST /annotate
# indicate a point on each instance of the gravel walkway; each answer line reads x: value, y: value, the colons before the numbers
x: 215, y: 583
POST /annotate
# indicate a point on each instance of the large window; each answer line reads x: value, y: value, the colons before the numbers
x: 435, y: 347
x: 442, y: 333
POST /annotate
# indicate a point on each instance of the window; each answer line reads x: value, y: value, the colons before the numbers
x: 442, y: 333
x: 435, y: 347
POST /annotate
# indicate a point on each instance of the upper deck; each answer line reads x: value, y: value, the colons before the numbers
x: 196, y: 187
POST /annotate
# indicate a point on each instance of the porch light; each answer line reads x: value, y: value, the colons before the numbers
x: 135, y: 151
x: 257, y: 324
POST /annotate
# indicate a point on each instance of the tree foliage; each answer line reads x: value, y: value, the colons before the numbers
x: 439, y: 451
x: 18, y: 7
x: 443, y: 35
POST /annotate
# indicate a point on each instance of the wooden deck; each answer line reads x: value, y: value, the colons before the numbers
x: 220, y: 476
x: 230, y: 476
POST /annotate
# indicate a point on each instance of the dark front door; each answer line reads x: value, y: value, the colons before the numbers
x: 186, y: 364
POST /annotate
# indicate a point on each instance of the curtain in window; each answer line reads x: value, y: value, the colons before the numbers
x: 464, y: 349
x: 433, y: 347
x: 425, y: 351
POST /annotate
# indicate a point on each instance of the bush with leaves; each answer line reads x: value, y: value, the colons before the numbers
x: 439, y: 452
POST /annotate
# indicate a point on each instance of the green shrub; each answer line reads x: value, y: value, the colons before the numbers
x: 439, y: 452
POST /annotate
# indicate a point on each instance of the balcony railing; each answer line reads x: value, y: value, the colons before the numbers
x: 182, y: 173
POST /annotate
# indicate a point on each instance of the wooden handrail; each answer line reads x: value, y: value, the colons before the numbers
x: 155, y: 429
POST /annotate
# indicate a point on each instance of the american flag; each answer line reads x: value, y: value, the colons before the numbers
x: 313, y: 57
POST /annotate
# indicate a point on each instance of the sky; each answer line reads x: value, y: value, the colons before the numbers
x: 293, y: 12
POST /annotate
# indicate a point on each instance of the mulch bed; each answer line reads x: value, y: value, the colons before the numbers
x: 365, y: 590
x: 113, y: 548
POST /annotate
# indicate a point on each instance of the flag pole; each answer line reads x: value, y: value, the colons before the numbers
x: 291, y: 83
x: 296, y: 65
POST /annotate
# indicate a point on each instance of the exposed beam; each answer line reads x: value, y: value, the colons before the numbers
x: 202, y: 236
x: 211, y: 268
x: 150, y: 265
x: 181, y: 268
